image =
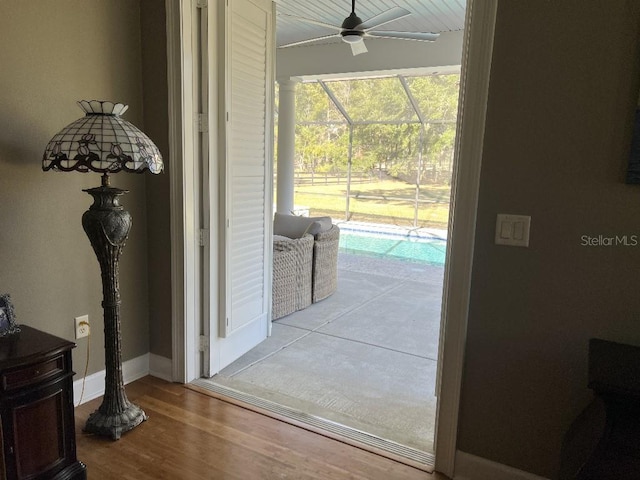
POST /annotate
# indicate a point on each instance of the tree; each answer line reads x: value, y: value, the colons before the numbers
x: 386, y: 129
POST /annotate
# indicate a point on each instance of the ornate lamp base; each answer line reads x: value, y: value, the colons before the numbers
x: 107, y: 225
x: 114, y: 424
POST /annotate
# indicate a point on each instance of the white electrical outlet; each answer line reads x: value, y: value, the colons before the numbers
x: 82, y: 326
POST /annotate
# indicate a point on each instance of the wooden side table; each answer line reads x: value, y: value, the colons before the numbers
x: 36, y: 408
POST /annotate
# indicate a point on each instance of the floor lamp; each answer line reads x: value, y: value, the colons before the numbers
x: 103, y: 142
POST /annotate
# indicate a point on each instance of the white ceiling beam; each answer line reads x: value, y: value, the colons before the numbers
x: 390, y: 56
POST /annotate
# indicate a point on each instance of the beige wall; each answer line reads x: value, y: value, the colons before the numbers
x: 154, y: 77
x: 53, y: 53
x: 564, y: 85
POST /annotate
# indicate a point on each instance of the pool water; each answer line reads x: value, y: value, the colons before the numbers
x: 411, y: 249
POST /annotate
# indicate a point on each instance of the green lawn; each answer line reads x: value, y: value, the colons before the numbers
x: 387, y: 201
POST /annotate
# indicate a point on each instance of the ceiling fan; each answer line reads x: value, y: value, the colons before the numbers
x: 353, y: 30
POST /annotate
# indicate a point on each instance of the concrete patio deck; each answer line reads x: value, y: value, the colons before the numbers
x: 364, y: 357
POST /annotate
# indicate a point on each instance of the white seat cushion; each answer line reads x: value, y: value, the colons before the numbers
x: 293, y: 226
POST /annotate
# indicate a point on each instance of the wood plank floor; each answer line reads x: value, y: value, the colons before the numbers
x: 190, y: 435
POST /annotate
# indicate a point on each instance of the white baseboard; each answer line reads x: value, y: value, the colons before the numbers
x: 161, y: 367
x: 471, y: 467
x: 94, y: 384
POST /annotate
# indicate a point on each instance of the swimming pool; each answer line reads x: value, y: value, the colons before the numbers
x: 429, y: 250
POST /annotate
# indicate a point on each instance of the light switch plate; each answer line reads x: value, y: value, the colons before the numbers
x: 512, y: 230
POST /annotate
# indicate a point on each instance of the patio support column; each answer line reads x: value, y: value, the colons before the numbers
x: 286, y: 144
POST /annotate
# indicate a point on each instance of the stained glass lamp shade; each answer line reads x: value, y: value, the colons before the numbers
x: 102, y: 142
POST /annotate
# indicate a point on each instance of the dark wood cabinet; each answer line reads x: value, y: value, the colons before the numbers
x: 603, y: 443
x: 36, y: 408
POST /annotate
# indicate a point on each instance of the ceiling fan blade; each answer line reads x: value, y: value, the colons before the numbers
x: 358, y: 48
x: 309, y: 40
x: 425, y: 37
x: 313, y: 22
x: 390, y: 15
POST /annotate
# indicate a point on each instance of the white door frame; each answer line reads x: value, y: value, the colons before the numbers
x: 185, y: 251
x: 185, y: 188
x: 474, y: 92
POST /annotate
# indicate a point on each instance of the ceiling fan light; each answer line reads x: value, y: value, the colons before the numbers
x: 351, y: 37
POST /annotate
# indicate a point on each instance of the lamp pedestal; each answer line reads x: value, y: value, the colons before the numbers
x: 107, y: 225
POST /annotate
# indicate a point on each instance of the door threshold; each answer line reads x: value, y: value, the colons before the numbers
x: 409, y: 456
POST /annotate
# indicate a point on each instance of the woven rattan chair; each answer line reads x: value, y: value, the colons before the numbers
x: 325, y: 263
x: 292, y: 273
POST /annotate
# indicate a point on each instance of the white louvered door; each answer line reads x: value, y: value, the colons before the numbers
x: 246, y: 172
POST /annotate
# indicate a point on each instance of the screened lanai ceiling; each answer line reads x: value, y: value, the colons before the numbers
x: 435, y: 16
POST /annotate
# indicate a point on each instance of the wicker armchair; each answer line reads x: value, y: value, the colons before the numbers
x: 326, y: 236
x: 325, y: 263
x: 292, y: 273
